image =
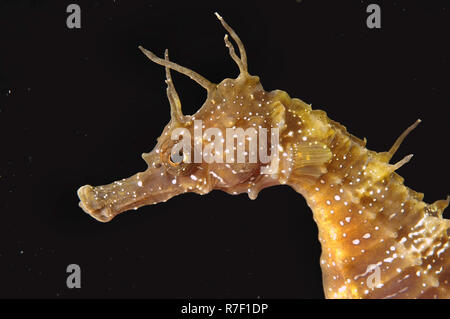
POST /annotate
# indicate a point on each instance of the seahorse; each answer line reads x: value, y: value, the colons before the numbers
x: 378, y: 238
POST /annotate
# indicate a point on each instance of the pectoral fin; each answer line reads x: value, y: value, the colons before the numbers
x: 310, y: 159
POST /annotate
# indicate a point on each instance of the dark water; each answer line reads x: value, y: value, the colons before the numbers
x: 79, y: 106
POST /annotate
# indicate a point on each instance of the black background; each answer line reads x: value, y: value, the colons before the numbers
x: 80, y: 106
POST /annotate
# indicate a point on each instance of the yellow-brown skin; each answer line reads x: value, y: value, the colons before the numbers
x: 365, y: 215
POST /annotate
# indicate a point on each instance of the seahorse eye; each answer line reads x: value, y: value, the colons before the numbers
x: 176, y: 160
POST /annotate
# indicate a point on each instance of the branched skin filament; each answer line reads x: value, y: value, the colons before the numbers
x: 378, y: 238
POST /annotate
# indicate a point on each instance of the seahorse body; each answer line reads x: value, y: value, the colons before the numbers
x: 378, y: 238
x: 368, y: 218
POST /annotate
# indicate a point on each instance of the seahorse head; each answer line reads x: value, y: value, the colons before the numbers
x: 230, y: 143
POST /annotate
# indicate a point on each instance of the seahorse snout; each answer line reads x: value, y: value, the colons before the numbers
x: 94, y: 206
